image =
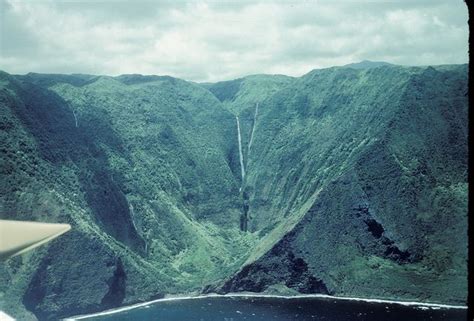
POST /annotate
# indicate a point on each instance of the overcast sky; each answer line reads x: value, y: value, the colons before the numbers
x: 219, y: 40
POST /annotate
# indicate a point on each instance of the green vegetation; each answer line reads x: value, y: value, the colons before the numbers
x: 356, y: 184
x: 362, y: 174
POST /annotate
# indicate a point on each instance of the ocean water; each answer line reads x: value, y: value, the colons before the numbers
x: 280, y: 309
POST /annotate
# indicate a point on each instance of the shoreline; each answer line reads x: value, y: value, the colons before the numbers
x: 425, y: 305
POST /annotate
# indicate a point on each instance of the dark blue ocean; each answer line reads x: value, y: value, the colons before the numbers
x: 280, y: 309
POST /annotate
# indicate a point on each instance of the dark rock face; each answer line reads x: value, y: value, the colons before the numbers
x: 278, y: 267
x: 116, y: 293
x: 36, y: 291
x: 356, y: 184
x: 374, y: 227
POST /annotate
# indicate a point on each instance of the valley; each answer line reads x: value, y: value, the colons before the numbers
x: 348, y: 181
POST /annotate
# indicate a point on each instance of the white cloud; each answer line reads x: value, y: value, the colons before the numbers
x: 209, y: 41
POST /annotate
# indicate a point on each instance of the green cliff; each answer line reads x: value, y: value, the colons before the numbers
x: 355, y: 184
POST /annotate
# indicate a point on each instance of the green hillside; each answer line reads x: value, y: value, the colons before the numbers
x: 373, y: 165
x: 354, y: 183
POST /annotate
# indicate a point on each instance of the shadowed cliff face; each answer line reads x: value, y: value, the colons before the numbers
x: 117, y: 286
x: 351, y: 174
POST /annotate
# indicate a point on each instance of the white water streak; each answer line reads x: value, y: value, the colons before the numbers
x: 132, y: 215
x: 75, y: 118
x: 246, y: 295
x: 241, y: 156
x: 253, y: 128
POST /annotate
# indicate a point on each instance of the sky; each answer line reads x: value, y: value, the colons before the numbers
x: 221, y: 40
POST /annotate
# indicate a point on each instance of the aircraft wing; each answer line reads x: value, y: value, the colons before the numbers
x: 17, y: 237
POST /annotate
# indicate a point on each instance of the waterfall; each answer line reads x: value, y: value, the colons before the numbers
x: 241, y: 156
x: 253, y: 129
x: 244, y: 214
x: 75, y: 117
x: 132, y: 218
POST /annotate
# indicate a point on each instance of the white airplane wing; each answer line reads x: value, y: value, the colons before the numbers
x: 5, y: 317
x: 17, y: 237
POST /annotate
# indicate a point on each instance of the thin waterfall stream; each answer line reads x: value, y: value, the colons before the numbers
x: 253, y: 129
x: 75, y: 118
x: 245, y: 206
x: 241, y: 156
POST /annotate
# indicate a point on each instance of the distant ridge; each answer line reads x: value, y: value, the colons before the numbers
x: 367, y: 64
